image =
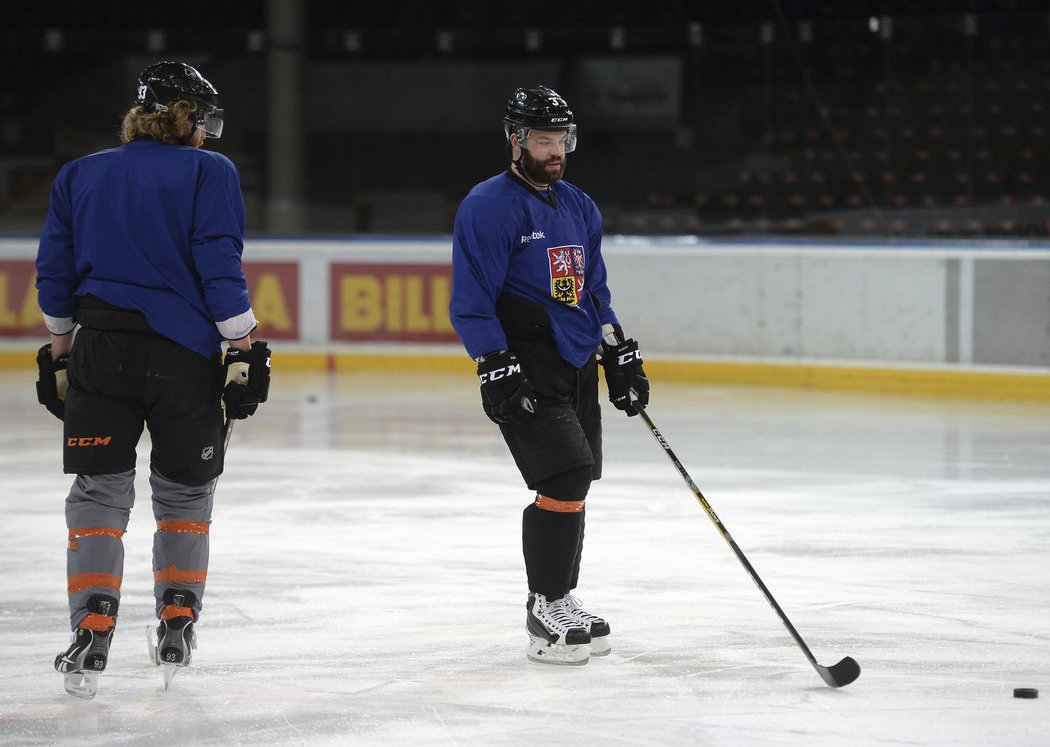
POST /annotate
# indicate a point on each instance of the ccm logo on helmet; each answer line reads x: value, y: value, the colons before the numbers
x: 88, y: 441
x: 500, y: 373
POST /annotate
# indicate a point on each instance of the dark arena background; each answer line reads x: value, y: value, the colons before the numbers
x: 808, y: 118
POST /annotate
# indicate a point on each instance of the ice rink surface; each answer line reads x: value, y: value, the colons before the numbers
x: 366, y: 582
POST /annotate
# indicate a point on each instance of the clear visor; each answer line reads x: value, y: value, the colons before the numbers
x: 211, y: 122
x: 562, y: 140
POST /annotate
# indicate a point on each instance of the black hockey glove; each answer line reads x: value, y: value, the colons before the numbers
x: 506, y: 393
x: 247, y: 380
x: 51, y: 386
x: 624, y: 374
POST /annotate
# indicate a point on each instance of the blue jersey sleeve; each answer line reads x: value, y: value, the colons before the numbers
x: 216, y: 245
x: 57, y: 278
x: 480, y: 258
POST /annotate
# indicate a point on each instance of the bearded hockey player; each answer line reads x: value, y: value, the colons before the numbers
x: 532, y: 307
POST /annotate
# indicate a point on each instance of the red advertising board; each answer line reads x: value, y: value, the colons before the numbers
x: 274, y: 290
x: 391, y: 302
x: 19, y: 312
x: 272, y: 286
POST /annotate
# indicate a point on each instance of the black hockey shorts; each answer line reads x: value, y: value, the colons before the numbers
x: 120, y: 381
x: 566, y: 430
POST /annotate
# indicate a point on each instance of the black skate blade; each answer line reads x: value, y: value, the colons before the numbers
x: 81, y: 684
x: 841, y: 674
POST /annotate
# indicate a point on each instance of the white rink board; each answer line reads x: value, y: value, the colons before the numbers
x: 783, y: 306
x: 923, y: 304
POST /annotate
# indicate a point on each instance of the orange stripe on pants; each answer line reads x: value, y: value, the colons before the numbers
x: 78, y: 532
x: 81, y: 581
x: 183, y: 527
x: 561, y: 507
x: 172, y: 575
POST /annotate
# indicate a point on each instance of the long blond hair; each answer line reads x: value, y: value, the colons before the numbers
x: 173, y: 126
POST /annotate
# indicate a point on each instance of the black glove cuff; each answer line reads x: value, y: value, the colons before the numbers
x: 502, y: 363
x: 243, y: 398
x: 506, y: 393
x: 47, y: 392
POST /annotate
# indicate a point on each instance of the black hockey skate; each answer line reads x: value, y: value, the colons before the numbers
x: 88, y: 654
x: 175, y: 638
x: 596, y: 626
x: 555, y: 636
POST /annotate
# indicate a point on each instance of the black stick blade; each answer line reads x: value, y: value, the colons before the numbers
x: 841, y: 674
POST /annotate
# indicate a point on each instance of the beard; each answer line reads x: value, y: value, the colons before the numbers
x: 542, y: 172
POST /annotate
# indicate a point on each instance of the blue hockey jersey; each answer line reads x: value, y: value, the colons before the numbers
x: 508, y: 239
x: 154, y: 228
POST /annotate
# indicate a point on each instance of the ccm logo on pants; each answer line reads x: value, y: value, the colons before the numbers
x: 88, y: 441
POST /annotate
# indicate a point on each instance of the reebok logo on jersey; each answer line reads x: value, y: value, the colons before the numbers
x: 208, y: 453
x: 526, y: 238
x: 88, y: 440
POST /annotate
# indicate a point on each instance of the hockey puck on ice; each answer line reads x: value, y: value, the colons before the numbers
x: 1026, y: 692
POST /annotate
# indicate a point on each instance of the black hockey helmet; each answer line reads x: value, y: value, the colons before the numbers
x: 163, y: 83
x: 538, y: 108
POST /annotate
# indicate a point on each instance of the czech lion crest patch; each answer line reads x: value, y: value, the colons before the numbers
x: 566, y: 273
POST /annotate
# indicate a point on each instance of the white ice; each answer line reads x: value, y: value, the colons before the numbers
x: 366, y: 582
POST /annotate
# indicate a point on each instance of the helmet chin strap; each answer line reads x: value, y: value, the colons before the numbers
x: 521, y: 170
x: 516, y: 162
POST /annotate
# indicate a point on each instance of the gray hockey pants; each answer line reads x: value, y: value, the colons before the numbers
x: 97, y: 512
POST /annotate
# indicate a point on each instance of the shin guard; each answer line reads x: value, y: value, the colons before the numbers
x: 550, y: 533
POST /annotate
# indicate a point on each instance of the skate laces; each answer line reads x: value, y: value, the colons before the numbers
x: 575, y: 609
x: 556, y: 614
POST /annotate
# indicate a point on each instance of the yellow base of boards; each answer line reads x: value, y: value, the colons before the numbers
x: 943, y: 382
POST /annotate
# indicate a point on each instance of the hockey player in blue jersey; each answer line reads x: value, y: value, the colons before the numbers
x: 140, y: 256
x: 531, y: 304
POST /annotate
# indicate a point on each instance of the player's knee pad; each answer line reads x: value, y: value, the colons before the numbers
x: 570, y: 485
x: 101, y: 500
x: 175, y: 500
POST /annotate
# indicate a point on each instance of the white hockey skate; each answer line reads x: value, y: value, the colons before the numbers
x: 88, y: 651
x: 83, y: 660
x: 555, y: 637
x: 596, y: 626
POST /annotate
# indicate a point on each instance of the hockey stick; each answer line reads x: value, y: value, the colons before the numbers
x: 227, y: 433
x: 837, y: 675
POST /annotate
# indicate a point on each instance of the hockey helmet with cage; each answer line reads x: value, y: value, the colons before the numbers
x: 538, y: 108
x: 164, y: 83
